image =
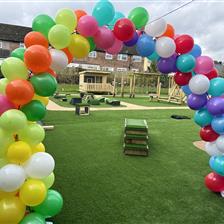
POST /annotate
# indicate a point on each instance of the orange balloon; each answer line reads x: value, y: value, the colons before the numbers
x: 37, y: 58
x: 170, y: 32
x: 79, y: 13
x: 69, y: 55
x: 20, y: 91
x: 35, y: 38
x: 52, y: 72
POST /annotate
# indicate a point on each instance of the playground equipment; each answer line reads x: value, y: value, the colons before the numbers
x: 26, y: 170
x: 95, y: 82
x: 175, y: 93
x: 82, y: 108
x: 136, y: 137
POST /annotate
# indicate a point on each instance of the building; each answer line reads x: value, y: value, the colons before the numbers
x: 11, y: 37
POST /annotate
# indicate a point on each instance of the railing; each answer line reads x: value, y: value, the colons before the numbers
x: 96, y: 87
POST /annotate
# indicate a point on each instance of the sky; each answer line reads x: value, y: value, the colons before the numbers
x: 202, y: 19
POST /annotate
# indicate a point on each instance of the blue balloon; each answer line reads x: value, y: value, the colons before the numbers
x: 203, y: 117
x: 154, y: 56
x: 103, y: 12
x: 117, y: 16
x: 218, y: 124
x: 217, y: 164
x: 133, y: 41
x: 145, y: 45
x: 186, y: 63
x: 216, y: 87
x: 186, y: 90
x: 196, y: 51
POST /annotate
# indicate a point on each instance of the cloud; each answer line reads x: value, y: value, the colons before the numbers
x: 201, y: 19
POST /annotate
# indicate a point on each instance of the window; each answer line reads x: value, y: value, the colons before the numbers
x: 21, y: 45
x: 93, y: 54
x: 136, y: 58
x: 91, y: 67
x: 135, y: 70
x: 99, y: 79
x: 122, y: 57
x: 1, y: 44
x: 108, y: 56
x: 122, y: 69
x: 108, y: 69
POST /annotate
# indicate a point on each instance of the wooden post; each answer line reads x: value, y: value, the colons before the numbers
x: 133, y: 86
x: 122, y: 85
x: 131, y: 83
x: 114, y: 90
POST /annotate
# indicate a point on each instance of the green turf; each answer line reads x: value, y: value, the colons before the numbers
x: 102, y: 186
x: 144, y: 101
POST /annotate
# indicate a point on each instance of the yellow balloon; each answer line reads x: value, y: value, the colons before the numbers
x: 18, y: 152
x: 38, y: 148
x: 4, y: 194
x: 43, y: 100
x: 68, y: 18
x: 79, y: 46
x: 33, y: 192
x: 3, y: 83
x: 12, y: 210
x: 14, y: 68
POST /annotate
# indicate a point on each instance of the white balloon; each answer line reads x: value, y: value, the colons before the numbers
x: 165, y: 47
x: 211, y: 149
x: 220, y: 143
x: 12, y: 177
x: 40, y: 165
x: 156, y: 28
x: 199, y: 84
x: 59, y: 60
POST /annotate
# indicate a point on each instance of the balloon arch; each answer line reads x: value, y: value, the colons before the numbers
x: 26, y: 170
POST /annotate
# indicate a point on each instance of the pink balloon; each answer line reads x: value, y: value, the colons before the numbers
x: 104, y: 38
x: 87, y: 26
x: 204, y: 65
x: 5, y: 104
x: 116, y: 48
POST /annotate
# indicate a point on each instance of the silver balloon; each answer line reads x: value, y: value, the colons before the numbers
x: 156, y: 28
x: 199, y: 84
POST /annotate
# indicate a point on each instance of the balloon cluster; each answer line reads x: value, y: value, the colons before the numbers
x: 26, y: 170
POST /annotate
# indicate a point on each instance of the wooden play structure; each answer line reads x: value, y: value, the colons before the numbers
x: 175, y: 93
x: 95, y: 82
x: 136, y: 137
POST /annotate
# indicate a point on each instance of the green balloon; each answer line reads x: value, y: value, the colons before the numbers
x: 33, y: 134
x: 92, y: 44
x: 49, y: 181
x: 34, y: 111
x: 59, y: 36
x: 51, y: 206
x: 6, y: 139
x: 13, y: 120
x: 13, y: 68
x: 33, y: 218
x: 3, y: 162
x: 3, y: 83
x: 44, y: 84
x: 139, y: 16
x: 43, y: 24
x: 18, y: 53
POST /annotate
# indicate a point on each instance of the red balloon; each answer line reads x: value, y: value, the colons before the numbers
x: 124, y: 29
x: 208, y: 134
x: 35, y: 38
x: 212, y: 74
x: 184, y: 44
x: 19, y: 91
x: 37, y: 58
x: 182, y: 79
x: 214, y: 182
x: 69, y: 55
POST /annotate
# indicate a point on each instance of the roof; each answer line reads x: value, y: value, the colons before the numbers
x: 16, y: 33
x: 13, y: 33
x: 94, y: 73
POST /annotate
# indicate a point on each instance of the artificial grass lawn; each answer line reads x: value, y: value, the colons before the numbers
x: 102, y: 186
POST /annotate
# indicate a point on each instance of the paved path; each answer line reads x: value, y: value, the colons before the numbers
x: 199, y: 145
x: 126, y: 106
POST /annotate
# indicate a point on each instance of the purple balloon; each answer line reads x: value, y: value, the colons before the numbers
x: 133, y: 41
x: 215, y: 106
x: 167, y: 65
x: 5, y: 104
x: 196, y: 102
